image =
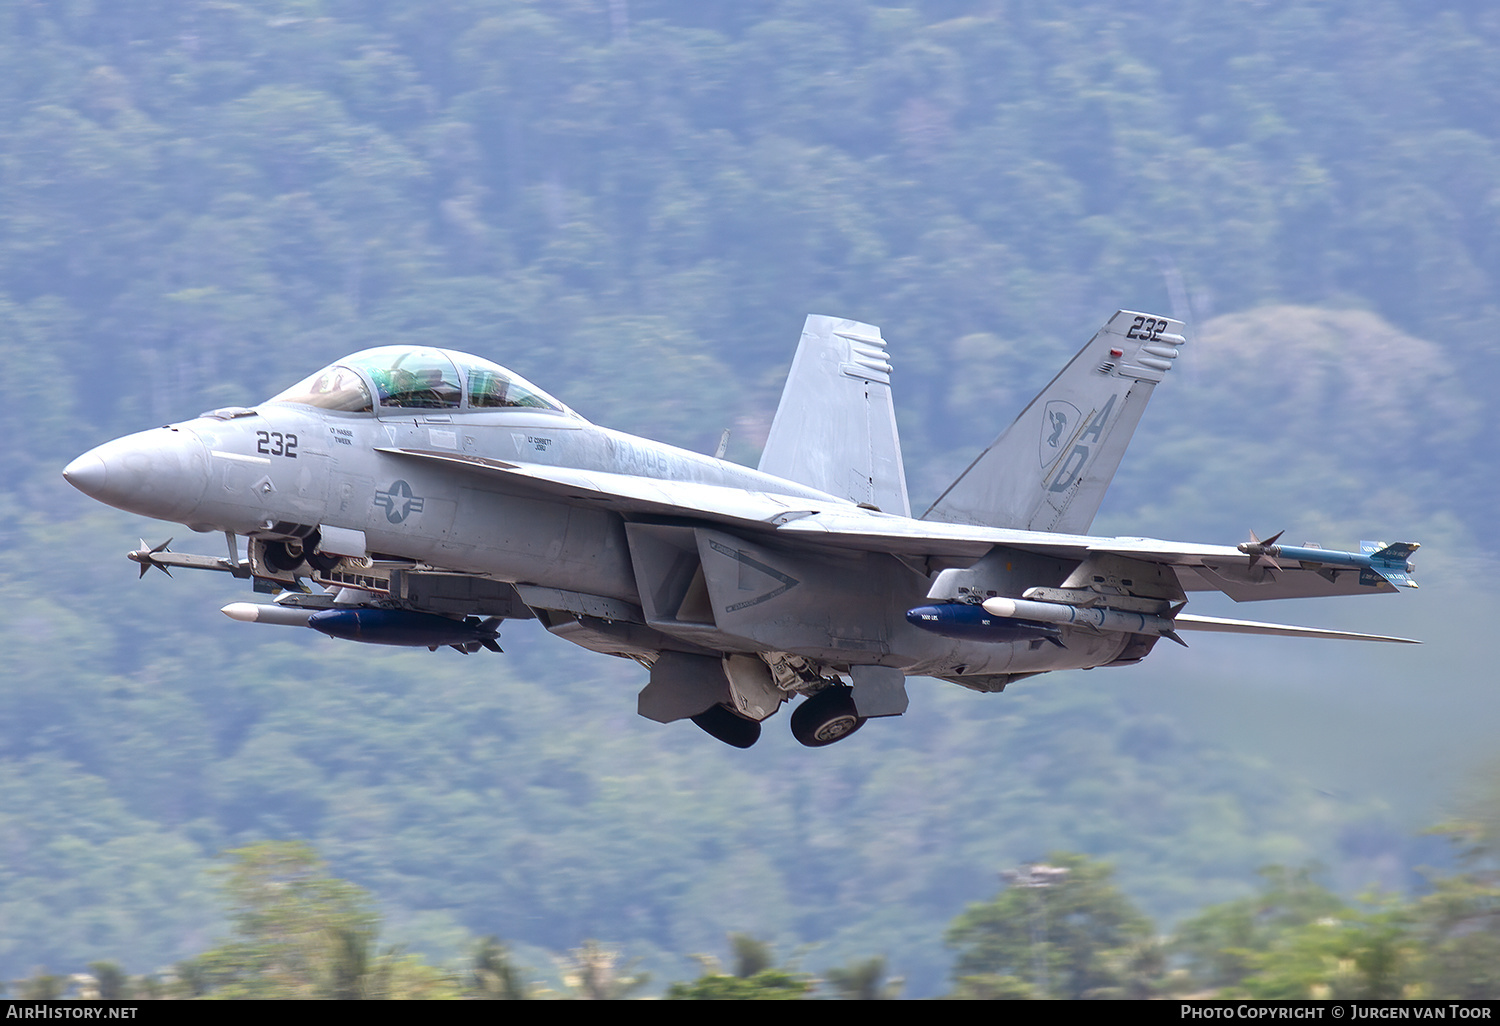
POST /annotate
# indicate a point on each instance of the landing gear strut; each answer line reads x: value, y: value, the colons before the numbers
x: 826, y: 717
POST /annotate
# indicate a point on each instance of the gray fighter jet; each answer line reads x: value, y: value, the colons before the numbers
x: 414, y: 496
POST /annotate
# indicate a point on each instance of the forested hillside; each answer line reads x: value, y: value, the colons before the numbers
x: 634, y: 204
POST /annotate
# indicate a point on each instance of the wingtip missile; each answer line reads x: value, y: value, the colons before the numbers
x: 146, y: 557
x: 1376, y: 560
x: 1259, y: 550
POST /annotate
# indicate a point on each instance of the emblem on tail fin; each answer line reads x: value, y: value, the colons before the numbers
x: 1057, y: 428
x: 1078, y: 456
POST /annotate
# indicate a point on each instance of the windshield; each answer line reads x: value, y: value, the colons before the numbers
x: 333, y: 388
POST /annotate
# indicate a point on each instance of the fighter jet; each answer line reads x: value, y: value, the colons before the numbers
x: 409, y: 495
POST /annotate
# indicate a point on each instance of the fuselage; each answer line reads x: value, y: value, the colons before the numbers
x: 317, y: 457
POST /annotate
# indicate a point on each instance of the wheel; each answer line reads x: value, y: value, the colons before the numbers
x: 322, y: 562
x: 826, y: 717
x: 729, y: 727
x: 278, y: 555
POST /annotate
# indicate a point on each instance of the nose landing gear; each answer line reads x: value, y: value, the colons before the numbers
x: 286, y: 556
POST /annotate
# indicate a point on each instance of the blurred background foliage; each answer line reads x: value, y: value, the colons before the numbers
x: 634, y: 203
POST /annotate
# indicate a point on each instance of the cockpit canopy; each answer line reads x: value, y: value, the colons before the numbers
x: 416, y: 377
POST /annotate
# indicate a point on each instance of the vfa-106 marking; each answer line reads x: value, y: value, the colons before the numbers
x: 415, y: 496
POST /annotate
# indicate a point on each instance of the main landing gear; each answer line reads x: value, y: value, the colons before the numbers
x: 819, y: 721
x: 729, y: 727
x: 826, y: 717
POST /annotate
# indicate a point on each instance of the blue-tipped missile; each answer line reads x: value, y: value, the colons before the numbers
x: 973, y: 623
x: 405, y: 627
x: 1376, y: 561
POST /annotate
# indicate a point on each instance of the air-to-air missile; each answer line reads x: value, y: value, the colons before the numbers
x: 1374, y: 560
x: 1007, y: 619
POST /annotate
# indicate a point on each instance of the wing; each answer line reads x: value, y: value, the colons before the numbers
x: 627, y: 493
x: 835, y: 429
x: 1225, y: 568
x: 838, y: 523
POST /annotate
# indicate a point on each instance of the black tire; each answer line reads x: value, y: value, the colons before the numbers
x: 826, y: 717
x: 322, y: 562
x: 278, y: 556
x: 729, y: 727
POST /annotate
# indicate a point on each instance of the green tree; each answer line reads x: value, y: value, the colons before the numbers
x: 1297, y: 940
x: 300, y: 933
x: 756, y: 976
x: 767, y: 985
x: 1224, y: 944
x: 1459, y: 927
x: 1369, y: 955
x: 495, y: 976
x: 1055, y: 930
x: 864, y: 981
x: 110, y: 981
x: 594, y: 973
x: 41, y: 986
x: 1459, y: 922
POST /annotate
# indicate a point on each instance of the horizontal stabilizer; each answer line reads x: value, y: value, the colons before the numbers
x: 1188, y: 622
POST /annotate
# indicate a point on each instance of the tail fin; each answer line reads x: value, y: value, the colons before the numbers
x: 835, y: 429
x: 1049, y: 470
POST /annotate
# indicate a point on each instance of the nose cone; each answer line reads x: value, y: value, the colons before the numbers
x: 160, y: 473
x: 86, y: 473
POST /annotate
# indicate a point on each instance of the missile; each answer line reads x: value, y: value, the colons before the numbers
x: 267, y: 612
x: 1375, y: 560
x: 1097, y: 617
x: 973, y: 623
x: 405, y: 627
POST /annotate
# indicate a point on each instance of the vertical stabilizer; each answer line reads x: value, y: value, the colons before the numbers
x: 1049, y: 470
x: 835, y: 429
